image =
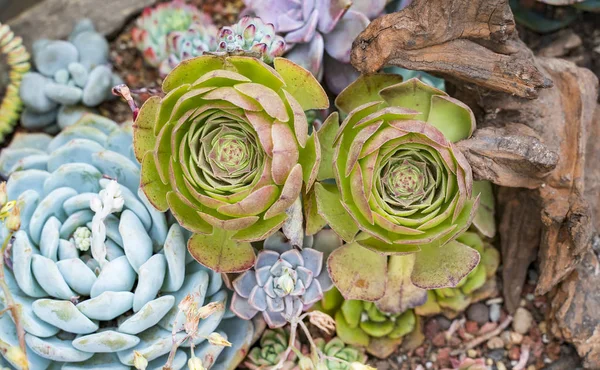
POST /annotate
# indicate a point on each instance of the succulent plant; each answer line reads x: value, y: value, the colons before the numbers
x: 227, y: 150
x: 183, y: 45
x: 319, y: 34
x: 173, y: 30
x: 70, y: 77
x: 284, y: 280
x: 273, y: 343
x: 476, y: 286
x: 85, y: 239
x: 253, y: 35
x: 407, y: 74
x: 17, y: 59
x: 362, y: 324
x: 335, y: 348
x: 403, y: 189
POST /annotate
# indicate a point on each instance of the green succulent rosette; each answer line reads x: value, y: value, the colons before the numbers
x: 227, y: 150
x: 403, y: 190
x: 335, y: 348
x: 478, y: 285
x: 273, y: 344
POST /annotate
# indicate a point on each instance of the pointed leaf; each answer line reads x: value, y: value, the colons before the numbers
x: 220, y: 253
x: 261, y: 230
x: 443, y: 267
x: 301, y: 84
x: 330, y: 208
x: 186, y: 215
x: 358, y: 273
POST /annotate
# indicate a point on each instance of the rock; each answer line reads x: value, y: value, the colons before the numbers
x: 63, y: 94
x: 495, y: 312
x: 53, y: 56
x: 443, y: 322
x: 93, y: 49
x: 516, y: 338
x: 500, y: 365
x: 514, y: 353
x: 32, y: 93
x: 522, y: 321
x: 478, y: 312
x: 50, y: 19
x: 471, y: 327
x: 496, y: 354
x: 33, y: 121
x: 97, y: 86
x: 495, y: 343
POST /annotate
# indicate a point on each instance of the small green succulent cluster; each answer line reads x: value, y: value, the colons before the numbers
x: 17, y: 59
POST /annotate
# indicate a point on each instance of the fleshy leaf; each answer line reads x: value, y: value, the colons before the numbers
x: 188, y: 71
x: 330, y: 208
x: 143, y: 128
x: 186, y: 216
x: 220, y: 253
x: 314, y: 221
x: 364, y: 90
x: 326, y: 136
x: 352, y: 336
x: 150, y: 182
x: 484, y: 220
x: 442, y: 267
x: 401, y: 294
x: 358, y: 273
x: 301, y: 84
x: 452, y: 117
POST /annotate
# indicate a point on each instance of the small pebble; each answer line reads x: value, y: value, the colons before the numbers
x: 495, y: 343
x: 428, y: 365
x: 500, y: 365
x: 471, y: 327
x: 496, y: 354
x: 443, y: 322
x: 514, y: 353
x: 479, y: 313
x: 516, y: 338
x: 505, y: 335
x: 495, y: 312
x: 489, y: 362
x: 472, y: 353
x: 522, y: 321
x: 531, y: 367
x: 530, y: 297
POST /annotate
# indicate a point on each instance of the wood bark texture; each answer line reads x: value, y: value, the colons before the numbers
x: 536, y: 133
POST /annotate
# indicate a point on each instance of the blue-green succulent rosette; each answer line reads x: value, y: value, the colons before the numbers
x: 98, y: 273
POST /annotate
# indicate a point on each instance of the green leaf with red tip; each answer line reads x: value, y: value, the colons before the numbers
x: 484, y: 220
x: 452, y: 117
x: 441, y: 267
x: 358, y: 273
x: 364, y: 90
x: 188, y: 71
x: 330, y: 208
x: 301, y: 84
x: 326, y: 136
x: 401, y: 294
x: 220, y: 252
x: 187, y: 216
x: 261, y: 230
x: 150, y: 182
x: 144, y: 139
x: 257, y: 71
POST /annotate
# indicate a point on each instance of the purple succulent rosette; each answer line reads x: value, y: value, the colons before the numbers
x: 319, y: 33
x: 284, y: 280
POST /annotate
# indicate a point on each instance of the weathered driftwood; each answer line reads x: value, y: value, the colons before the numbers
x: 540, y: 141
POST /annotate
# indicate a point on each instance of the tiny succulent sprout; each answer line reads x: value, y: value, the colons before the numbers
x: 139, y: 361
x: 251, y: 34
x: 82, y: 237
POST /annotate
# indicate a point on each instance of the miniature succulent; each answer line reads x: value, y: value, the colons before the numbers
x: 273, y: 343
x: 253, y: 35
x: 227, y: 150
x: 284, y: 280
x: 362, y: 324
x: 173, y: 30
x: 403, y: 189
x: 319, y: 34
x: 337, y: 349
x: 70, y: 77
x: 98, y: 273
x: 476, y: 286
x: 17, y: 59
